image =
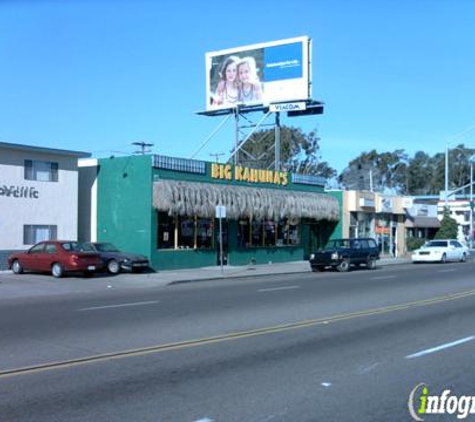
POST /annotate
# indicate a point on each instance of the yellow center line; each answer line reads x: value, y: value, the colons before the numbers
x: 232, y: 336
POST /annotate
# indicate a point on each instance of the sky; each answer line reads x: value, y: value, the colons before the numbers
x: 97, y: 75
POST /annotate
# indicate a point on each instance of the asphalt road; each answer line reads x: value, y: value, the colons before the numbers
x: 309, y: 347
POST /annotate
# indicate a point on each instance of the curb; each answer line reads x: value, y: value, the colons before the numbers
x: 191, y: 280
x: 228, y: 277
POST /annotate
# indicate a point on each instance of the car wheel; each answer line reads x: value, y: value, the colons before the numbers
x: 57, y: 270
x: 343, y: 266
x: 443, y: 260
x: 113, y: 267
x: 464, y: 258
x: 17, y: 268
x: 371, y: 264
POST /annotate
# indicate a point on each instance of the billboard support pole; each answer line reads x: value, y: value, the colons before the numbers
x: 210, y: 136
x: 236, y: 135
x: 277, y: 142
x: 240, y: 144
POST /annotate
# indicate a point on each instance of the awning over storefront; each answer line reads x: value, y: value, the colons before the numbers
x: 423, y: 222
x: 200, y: 199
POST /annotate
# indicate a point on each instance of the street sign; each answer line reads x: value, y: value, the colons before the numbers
x: 220, y: 211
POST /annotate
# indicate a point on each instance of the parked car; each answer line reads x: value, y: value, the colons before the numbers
x: 343, y: 253
x: 442, y: 250
x: 115, y: 260
x: 57, y: 257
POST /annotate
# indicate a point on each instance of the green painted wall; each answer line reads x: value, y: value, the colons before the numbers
x: 181, y: 259
x: 124, y: 209
x: 338, y: 229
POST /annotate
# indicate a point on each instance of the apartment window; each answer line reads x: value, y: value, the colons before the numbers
x: 43, y: 171
x: 37, y: 233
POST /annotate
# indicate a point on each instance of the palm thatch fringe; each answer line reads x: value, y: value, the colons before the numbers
x: 200, y: 199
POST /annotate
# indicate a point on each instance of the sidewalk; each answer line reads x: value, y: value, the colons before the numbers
x: 213, y: 273
x: 16, y: 286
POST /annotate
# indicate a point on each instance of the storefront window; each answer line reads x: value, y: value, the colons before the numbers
x: 287, y: 233
x: 166, y: 231
x: 244, y: 233
x: 257, y: 233
x: 294, y: 234
x: 186, y: 232
x: 204, y: 237
x: 269, y: 233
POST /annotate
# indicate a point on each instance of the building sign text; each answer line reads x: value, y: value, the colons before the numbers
x: 19, y: 191
x: 245, y: 174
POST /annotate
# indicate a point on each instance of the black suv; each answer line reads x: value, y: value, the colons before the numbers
x: 343, y: 253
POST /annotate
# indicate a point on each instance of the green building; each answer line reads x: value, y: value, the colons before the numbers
x: 165, y: 208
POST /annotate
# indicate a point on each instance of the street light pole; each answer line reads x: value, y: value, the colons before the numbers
x: 459, y: 135
x: 446, y: 174
x: 470, y: 242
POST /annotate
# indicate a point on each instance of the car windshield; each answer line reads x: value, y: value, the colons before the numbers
x: 436, y: 244
x: 106, y: 247
x: 340, y: 243
x: 77, y: 247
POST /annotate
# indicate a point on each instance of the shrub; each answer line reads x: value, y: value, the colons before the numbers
x: 414, y: 243
x: 448, y: 228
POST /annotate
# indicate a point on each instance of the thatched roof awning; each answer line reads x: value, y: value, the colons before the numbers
x: 200, y: 199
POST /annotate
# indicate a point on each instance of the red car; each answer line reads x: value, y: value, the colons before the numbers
x: 57, y: 257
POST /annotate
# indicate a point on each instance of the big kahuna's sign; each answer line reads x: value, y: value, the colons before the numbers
x: 250, y: 175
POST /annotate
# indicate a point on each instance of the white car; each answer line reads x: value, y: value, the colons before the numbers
x: 442, y: 250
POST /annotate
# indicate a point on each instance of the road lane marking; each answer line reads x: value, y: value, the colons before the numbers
x: 446, y: 271
x: 383, y: 277
x: 167, y: 347
x: 120, y: 305
x: 365, y: 369
x: 274, y: 289
x: 439, y: 348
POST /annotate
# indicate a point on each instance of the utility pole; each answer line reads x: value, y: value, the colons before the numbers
x: 216, y: 156
x: 143, y: 146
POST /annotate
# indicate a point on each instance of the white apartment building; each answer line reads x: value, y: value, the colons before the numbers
x: 38, y: 196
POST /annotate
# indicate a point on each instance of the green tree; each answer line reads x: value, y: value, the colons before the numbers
x: 419, y: 171
x: 300, y: 152
x: 387, y: 171
x: 448, y: 227
x: 426, y: 174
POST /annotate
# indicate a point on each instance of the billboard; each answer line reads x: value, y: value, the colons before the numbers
x: 258, y: 74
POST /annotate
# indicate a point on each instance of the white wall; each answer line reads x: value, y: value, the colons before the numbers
x: 87, y: 218
x: 57, y: 202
